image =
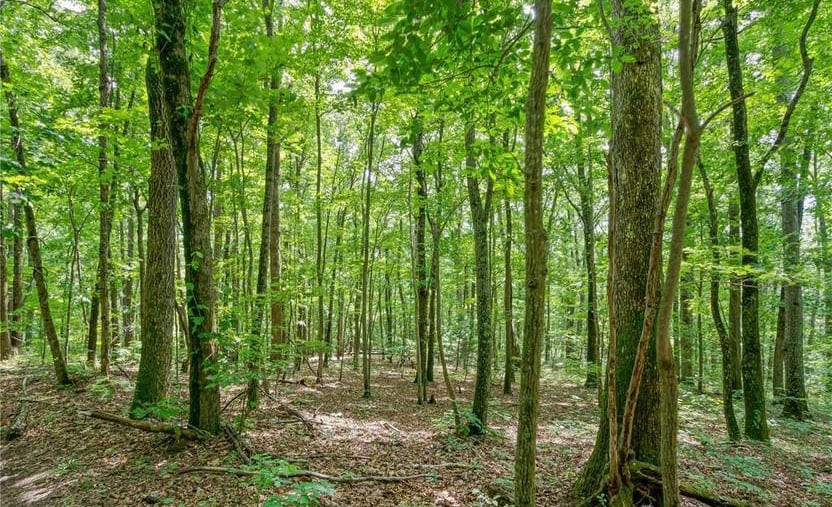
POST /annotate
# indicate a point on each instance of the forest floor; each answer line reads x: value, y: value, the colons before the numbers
x: 67, y: 459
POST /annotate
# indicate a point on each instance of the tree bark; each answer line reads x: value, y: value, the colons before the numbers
x: 508, y: 377
x: 756, y: 425
x: 183, y: 115
x: 5, y: 337
x: 104, y: 205
x: 480, y: 212
x: 716, y: 313
x: 536, y: 265
x: 635, y: 154
x: 158, y: 299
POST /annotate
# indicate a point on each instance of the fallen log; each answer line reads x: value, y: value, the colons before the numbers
x: 21, y: 420
x: 153, y: 427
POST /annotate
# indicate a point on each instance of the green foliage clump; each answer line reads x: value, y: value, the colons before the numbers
x: 272, y: 473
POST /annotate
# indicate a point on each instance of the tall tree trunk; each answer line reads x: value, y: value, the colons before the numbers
x: 16, y: 303
x: 716, y: 312
x: 635, y: 153
x: 686, y: 329
x: 422, y: 292
x: 158, y: 299
x: 127, y: 288
x: 104, y: 205
x: 536, y: 266
x: 735, y: 296
x: 5, y: 337
x: 793, y: 183
x: 756, y: 425
x: 480, y: 213
x: 593, y: 362
x: 365, y: 245
x: 32, y: 240
x: 777, y: 354
x: 183, y: 115
x: 508, y: 377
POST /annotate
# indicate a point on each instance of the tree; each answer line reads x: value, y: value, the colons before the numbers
x: 158, y: 298
x: 756, y: 425
x: 105, y: 215
x: 536, y: 266
x: 32, y: 240
x: 635, y: 159
x: 183, y: 116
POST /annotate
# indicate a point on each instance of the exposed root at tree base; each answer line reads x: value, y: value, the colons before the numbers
x: 646, y: 481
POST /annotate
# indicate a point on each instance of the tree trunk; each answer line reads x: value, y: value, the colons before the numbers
x: 593, y: 362
x: 16, y: 306
x: 104, y: 206
x: 686, y: 327
x: 756, y: 425
x: 635, y: 153
x: 127, y: 289
x: 777, y: 354
x: 158, y: 299
x: 795, y: 404
x: 735, y: 297
x: 5, y: 337
x: 417, y: 141
x: 365, y: 244
x: 183, y: 116
x: 508, y: 377
x: 716, y: 313
x: 536, y: 265
x: 480, y: 212
x: 32, y: 240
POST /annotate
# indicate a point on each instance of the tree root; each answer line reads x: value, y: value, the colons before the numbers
x: 153, y: 427
x: 644, y: 477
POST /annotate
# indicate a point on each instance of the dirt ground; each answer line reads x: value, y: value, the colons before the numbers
x: 65, y: 458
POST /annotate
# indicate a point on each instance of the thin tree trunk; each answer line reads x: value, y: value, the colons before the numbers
x: 536, y: 266
x: 716, y: 312
x: 508, y: 377
x: 480, y: 212
x: 105, y: 207
x: 5, y: 337
x: 32, y: 240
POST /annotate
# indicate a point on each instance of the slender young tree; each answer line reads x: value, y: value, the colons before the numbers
x: 32, y: 240
x: 524, y: 464
x: 104, y: 182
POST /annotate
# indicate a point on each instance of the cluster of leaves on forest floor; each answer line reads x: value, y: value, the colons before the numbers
x: 67, y: 459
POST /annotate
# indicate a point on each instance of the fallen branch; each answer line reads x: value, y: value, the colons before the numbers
x: 306, y: 422
x: 341, y: 479
x: 243, y: 448
x: 153, y: 427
